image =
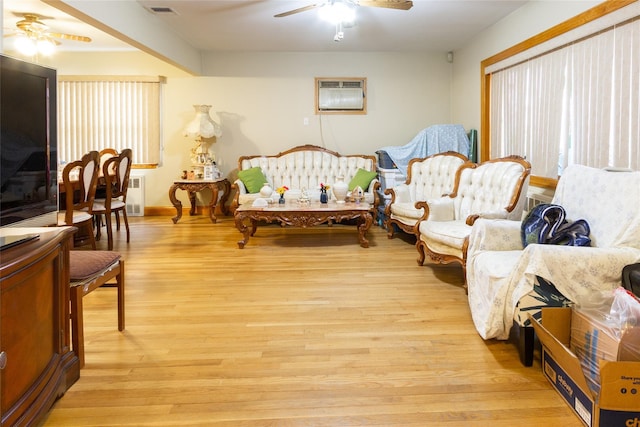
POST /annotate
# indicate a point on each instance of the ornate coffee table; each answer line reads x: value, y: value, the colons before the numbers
x: 304, y: 215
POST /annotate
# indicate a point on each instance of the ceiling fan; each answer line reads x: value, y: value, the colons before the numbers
x: 33, y: 35
x: 389, y: 4
x: 343, y: 12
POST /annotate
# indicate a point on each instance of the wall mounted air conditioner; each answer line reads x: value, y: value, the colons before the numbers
x: 135, y: 196
x: 341, y: 95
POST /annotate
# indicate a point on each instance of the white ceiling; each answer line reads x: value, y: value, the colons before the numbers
x: 249, y: 25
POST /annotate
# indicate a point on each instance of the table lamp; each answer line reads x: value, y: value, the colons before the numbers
x: 202, y: 126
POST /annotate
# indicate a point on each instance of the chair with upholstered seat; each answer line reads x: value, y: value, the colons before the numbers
x: 492, y: 189
x: 90, y: 270
x: 116, y: 172
x: 427, y: 178
x: 80, y: 194
x: 509, y: 283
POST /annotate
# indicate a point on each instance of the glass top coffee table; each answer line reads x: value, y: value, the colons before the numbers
x: 304, y: 215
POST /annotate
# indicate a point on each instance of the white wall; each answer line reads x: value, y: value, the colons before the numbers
x: 133, y: 63
x: 261, y: 101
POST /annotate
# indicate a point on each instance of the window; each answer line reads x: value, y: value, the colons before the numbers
x: 110, y: 112
x: 574, y: 102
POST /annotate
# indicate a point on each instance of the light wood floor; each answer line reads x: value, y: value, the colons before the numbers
x: 303, y: 327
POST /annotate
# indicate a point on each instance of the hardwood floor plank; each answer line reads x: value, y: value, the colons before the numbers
x: 302, y: 327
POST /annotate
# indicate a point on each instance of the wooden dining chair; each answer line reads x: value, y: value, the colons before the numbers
x: 80, y: 193
x: 106, y: 154
x: 90, y: 270
x: 116, y: 172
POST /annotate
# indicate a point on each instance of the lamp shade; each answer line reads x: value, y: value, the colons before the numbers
x: 203, y: 125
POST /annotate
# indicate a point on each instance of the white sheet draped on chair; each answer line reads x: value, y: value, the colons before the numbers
x: 500, y: 272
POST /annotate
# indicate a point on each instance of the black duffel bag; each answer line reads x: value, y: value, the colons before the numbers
x: 631, y: 278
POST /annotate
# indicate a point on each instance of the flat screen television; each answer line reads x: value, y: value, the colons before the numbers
x: 28, y: 144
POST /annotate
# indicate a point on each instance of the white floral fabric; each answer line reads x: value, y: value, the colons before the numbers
x: 500, y: 272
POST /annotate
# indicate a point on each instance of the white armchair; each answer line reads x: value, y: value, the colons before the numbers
x: 492, y: 189
x: 507, y: 284
x: 427, y: 178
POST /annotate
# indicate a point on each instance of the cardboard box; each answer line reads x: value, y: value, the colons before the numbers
x: 618, y: 402
x: 594, y: 339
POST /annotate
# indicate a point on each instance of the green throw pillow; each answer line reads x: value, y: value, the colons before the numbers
x: 253, y: 179
x: 362, y: 179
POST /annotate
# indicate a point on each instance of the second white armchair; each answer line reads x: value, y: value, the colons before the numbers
x: 427, y: 178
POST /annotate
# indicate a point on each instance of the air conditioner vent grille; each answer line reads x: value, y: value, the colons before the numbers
x: 340, y: 84
x: 352, y: 84
x: 135, y: 196
x: 535, y: 199
x: 329, y: 84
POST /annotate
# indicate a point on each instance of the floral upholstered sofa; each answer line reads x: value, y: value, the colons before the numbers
x: 304, y: 168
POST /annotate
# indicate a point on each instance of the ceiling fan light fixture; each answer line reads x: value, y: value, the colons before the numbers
x: 30, y: 45
x: 35, y: 38
x: 337, y: 12
x: 25, y: 45
x: 45, y: 46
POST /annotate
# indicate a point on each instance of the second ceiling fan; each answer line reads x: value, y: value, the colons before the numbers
x: 33, y: 36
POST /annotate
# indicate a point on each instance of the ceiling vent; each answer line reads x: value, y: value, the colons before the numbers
x: 162, y: 10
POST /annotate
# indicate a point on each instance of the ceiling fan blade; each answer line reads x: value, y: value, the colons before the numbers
x: 69, y: 37
x: 389, y: 4
x: 294, y: 11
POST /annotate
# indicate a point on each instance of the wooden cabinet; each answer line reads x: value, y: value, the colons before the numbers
x: 39, y: 366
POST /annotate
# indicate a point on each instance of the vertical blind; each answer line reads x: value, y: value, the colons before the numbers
x: 579, y: 103
x: 109, y: 112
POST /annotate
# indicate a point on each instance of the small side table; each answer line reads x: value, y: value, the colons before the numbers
x: 193, y: 186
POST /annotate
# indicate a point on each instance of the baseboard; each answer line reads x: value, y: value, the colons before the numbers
x: 171, y: 211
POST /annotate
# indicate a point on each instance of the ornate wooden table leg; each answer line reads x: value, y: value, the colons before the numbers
x: 192, y: 200
x: 367, y: 220
x: 213, y: 203
x: 176, y: 203
x: 226, y: 188
x: 246, y: 231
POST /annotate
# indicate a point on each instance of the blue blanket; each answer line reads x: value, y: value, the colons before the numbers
x: 432, y: 140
